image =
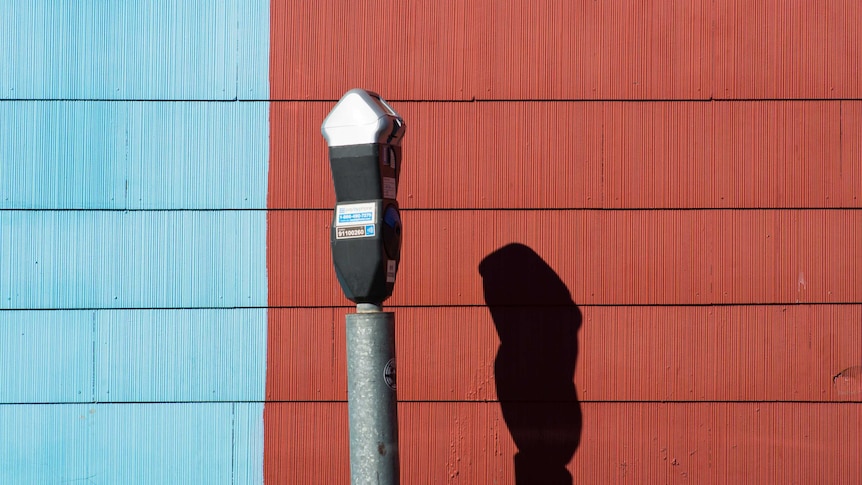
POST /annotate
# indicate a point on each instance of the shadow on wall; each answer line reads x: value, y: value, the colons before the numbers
x: 537, y: 322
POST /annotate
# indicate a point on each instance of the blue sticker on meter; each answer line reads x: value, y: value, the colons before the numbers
x: 355, y: 214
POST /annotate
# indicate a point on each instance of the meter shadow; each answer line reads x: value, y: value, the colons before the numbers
x: 537, y: 323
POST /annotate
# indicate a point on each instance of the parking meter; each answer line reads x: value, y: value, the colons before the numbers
x: 364, y: 137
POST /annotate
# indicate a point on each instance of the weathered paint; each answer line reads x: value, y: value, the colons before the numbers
x: 140, y: 49
x: 112, y: 259
x: 116, y: 155
x: 132, y: 443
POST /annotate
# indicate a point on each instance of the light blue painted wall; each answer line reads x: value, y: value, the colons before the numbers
x: 147, y: 444
x: 135, y: 155
x: 135, y: 49
x: 115, y: 259
x: 44, y: 443
x: 132, y: 197
x: 180, y: 355
x: 85, y: 356
x: 248, y: 436
x: 45, y: 357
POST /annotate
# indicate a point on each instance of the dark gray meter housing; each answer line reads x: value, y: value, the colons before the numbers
x: 364, y: 137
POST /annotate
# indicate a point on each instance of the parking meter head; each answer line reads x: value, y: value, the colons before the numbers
x: 362, y: 117
x: 364, y: 137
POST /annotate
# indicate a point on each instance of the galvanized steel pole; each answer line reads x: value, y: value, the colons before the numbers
x: 371, y: 405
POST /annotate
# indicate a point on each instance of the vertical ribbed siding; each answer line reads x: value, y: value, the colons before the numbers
x: 295, y: 335
x: 644, y: 443
x: 851, y: 151
x: 144, y: 259
x: 720, y: 292
x: 596, y: 50
x: 147, y: 155
x: 299, y: 175
x: 787, y: 50
x: 620, y: 257
x: 31, y: 375
x: 630, y: 353
x: 142, y: 49
x: 482, y: 49
x: 306, y: 442
x: 725, y: 154
x: 681, y: 155
x: 132, y: 234
x: 135, y: 443
x: 403, y: 50
x: 784, y: 154
x: 179, y: 355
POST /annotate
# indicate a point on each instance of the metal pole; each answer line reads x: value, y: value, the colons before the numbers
x: 371, y: 396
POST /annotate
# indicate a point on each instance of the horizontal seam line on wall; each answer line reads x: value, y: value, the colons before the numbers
x: 582, y: 401
x: 131, y: 100
x: 85, y: 403
x: 123, y: 309
x: 620, y: 209
x: 432, y: 100
x: 130, y: 210
x: 476, y: 305
x: 476, y: 401
x: 458, y: 209
x: 577, y: 100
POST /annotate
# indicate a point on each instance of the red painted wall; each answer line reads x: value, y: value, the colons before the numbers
x: 691, y: 171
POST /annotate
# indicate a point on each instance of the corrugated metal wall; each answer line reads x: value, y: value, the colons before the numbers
x: 689, y: 171
x: 133, y: 283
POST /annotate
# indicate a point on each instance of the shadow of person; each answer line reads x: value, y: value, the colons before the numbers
x: 537, y: 322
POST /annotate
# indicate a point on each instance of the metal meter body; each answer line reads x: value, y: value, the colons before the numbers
x: 364, y: 137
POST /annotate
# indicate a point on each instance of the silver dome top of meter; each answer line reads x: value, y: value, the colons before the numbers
x: 362, y: 117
